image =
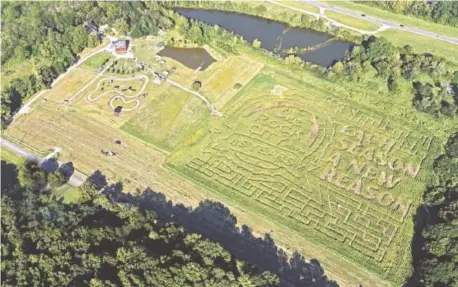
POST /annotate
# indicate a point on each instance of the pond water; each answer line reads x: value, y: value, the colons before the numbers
x: 193, y: 58
x: 274, y: 36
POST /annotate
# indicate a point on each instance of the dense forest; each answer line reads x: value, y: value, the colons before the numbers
x: 437, y: 94
x: 49, y: 36
x: 442, y: 12
x: 436, y: 251
x: 102, y: 242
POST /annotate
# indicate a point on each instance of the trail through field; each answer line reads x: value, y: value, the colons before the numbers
x: 26, y: 108
x: 213, y: 111
x: 121, y: 96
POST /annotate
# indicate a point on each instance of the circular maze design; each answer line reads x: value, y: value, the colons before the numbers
x: 121, y: 95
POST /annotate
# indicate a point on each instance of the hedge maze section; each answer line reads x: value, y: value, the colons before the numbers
x: 342, y: 176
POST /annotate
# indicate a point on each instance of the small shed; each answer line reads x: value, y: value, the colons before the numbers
x: 165, y: 72
x: 117, y: 111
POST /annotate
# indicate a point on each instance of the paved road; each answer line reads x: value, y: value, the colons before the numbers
x: 74, y: 180
x: 387, y: 23
x: 322, y: 15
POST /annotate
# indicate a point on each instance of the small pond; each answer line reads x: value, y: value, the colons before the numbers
x: 274, y: 36
x: 193, y: 58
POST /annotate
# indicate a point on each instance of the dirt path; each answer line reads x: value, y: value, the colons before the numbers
x: 213, y: 111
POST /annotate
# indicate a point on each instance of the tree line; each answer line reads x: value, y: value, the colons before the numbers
x: 442, y: 12
x: 49, y: 35
x: 437, y: 95
x: 436, y: 258
x: 103, y: 242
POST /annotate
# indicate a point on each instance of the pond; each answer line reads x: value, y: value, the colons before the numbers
x: 193, y: 58
x: 274, y: 36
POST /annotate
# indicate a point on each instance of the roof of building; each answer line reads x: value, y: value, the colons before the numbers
x: 121, y: 44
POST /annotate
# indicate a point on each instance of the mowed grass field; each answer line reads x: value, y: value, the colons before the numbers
x: 302, y: 6
x: 220, y: 86
x: 422, y: 44
x: 167, y: 119
x: 352, y: 21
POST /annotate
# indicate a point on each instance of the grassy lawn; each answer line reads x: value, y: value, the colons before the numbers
x: 220, y: 87
x: 96, y: 61
x: 401, y: 19
x: 67, y: 193
x: 300, y: 5
x: 351, y: 21
x: 422, y: 44
x: 11, y: 157
x: 168, y: 119
x: 65, y: 88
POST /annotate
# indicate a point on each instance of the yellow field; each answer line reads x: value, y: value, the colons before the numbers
x: 219, y: 86
x: 65, y: 88
x: 168, y: 118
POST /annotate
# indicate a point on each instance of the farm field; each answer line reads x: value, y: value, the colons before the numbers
x: 167, y: 119
x: 350, y: 182
x: 336, y: 181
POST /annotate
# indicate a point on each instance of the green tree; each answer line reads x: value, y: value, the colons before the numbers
x: 121, y: 26
x: 256, y: 43
x: 338, y: 68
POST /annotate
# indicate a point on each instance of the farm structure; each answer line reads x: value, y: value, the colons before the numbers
x: 121, y: 46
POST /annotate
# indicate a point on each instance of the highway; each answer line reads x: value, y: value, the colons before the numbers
x: 394, y: 25
x: 73, y: 180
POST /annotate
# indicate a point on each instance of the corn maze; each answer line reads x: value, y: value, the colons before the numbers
x: 344, y: 177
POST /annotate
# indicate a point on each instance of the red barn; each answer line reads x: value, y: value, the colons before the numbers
x: 121, y: 45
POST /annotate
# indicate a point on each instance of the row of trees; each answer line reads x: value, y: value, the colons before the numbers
x: 437, y: 261
x: 437, y: 96
x: 443, y: 12
x: 102, y: 242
